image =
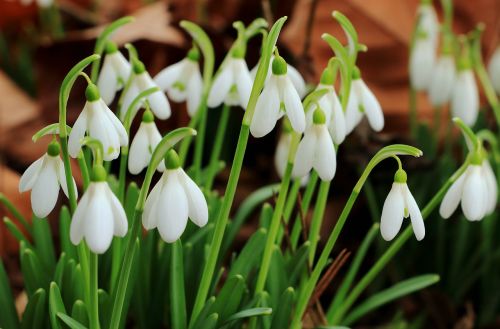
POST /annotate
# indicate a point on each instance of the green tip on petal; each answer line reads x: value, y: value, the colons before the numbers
x: 92, y: 93
x: 138, y: 67
x: 193, y: 54
x: 172, y: 160
x: 279, y: 65
x: 400, y: 176
x: 356, y: 73
x: 53, y: 149
x: 98, y: 174
x: 148, y: 117
x: 327, y: 77
x: 111, y: 47
x: 319, y: 117
x: 239, y: 51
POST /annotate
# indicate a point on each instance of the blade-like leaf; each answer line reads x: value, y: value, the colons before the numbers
x: 42, y: 239
x: 56, y: 305
x: 8, y: 310
x: 72, y: 323
x: 282, y: 315
x: 35, y: 314
x: 177, y: 294
x: 251, y: 312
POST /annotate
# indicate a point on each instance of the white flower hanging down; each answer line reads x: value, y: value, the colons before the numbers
x: 361, y: 102
x: 295, y: 76
x: 398, y: 205
x: 494, y: 69
x: 475, y: 190
x: 43, y: 177
x: 183, y: 81
x: 316, y: 150
x: 465, y: 96
x: 99, y: 215
x: 141, y: 81
x: 173, y: 200
x: 100, y: 123
x: 443, y: 78
x: 278, y: 97
x: 233, y: 84
x: 144, y: 143
x: 114, y: 73
x: 282, y: 150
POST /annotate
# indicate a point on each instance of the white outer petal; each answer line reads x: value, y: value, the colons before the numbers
x: 373, y: 110
x: 305, y: 154
x: 324, y: 161
x: 337, y: 126
x: 353, y: 115
x: 243, y: 81
x: 46, y: 189
x: 392, y: 212
x: 281, y: 155
x: 452, y: 197
x: 293, y: 105
x: 194, y: 91
x: 198, y: 208
x: 491, y: 183
x: 494, y: 69
x: 107, y: 81
x: 422, y: 60
x: 77, y: 226
x: 101, y: 128
x: 61, y: 176
x: 30, y: 175
x: 169, y: 75
x: 118, y: 126
x: 442, y: 81
x: 417, y: 222
x: 465, y: 98
x: 157, y: 100
x: 149, y: 217
x: 221, y: 86
x: 130, y: 94
x: 266, y: 110
x: 122, y: 67
x: 297, y: 80
x: 78, y: 131
x: 139, y: 153
x: 474, y: 194
x: 120, y: 223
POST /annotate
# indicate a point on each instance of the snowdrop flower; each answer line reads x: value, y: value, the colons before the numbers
x: 144, y: 143
x: 465, y: 97
x: 332, y: 108
x: 101, y: 124
x: 43, y: 177
x: 278, y: 96
x: 443, y: 78
x: 141, y: 81
x: 183, y: 81
x: 173, y: 200
x: 316, y: 150
x: 362, y: 101
x: 99, y: 215
x: 428, y: 23
x: 400, y: 204
x: 295, y: 76
x: 40, y: 3
x: 494, y: 69
x: 475, y: 190
x: 233, y: 84
x: 282, y: 150
x: 114, y: 73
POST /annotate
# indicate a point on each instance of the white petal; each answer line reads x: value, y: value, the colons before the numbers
x: 491, y: 183
x: 474, y: 195
x: 140, y: 153
x: 281, y: 155
x: 452, y: 197
x: 198, y: 208
x: 465, y: 98
x: 107, y: 81
x: 305, y: 154
x: 324, y: 160
x: 194, y: 91
x: 46, y: 189
x: 157, y: 100
x: 494, y: 70
x: 101, y: 128
x: 130, y: 94
x: 172, y: 210
x: 120, y: 223
x: 169, y: 75
x: 98, y: 221
x: 78, y: 132
x: 221, y: 86
x: 443, y: 78
x: 243, y: 82
x: 77, y: 227
x: 61, y: 176
x: 392, y: 213
x: 337, y: 125
x: 119, y: 128
x: 122, y: 67
x: 293, y: 106
x: 422, y: 63
x: 266, y: 110
x: 149, y: 217
x: 372, y: 108
x: 297, y: 80
x: 353, y: 114
x: 417, y: 222
x: 29, y: 177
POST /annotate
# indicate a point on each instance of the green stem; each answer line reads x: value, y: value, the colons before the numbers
x: 394, y: 248
x: 317, y: 219
x: 297, y: 225
x: 217, y: 148
x: 122, y: 174
x: 289, y: 206
x: 116, y: 247
x: 200, y: 138
x: 94, y: 299
x: 413, y: 112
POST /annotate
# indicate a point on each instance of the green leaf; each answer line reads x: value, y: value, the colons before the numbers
x: 250, y: 255
x: 79, y: 312
x: 229, y: 298
x: 248, y: 313
x: 56, y: 305
x: 177, y: 294
x: 397, y: 291
x: 277, y: 278
x: 42, y: 239
x: 298, y: 263
x: 265, y: 216
x: 34, y: 275
x: 64, y: 224
x: 8, y: 309
x: 282, y: 315
x: 211, y: 321
x: 263, y: 301
x: 34, y: 315
x: 72, y: 323
x: 14, y: 230
x: 204, y: 314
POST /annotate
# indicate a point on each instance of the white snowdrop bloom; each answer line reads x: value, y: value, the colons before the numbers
x: 443, y: 78
x: 43, y: 177
x: 114, y: 73
x: 141, y: 81
x: 173, y: 200
x: 282, y: 150
x: 494, y: 69
x: 183, y: 81
x: 316, y: 150
x: 233, y: 84
x: 144, y: 143
x: 99, y: 215
x: 428, y: 24
x: 475, y: 190
x: 295, y: 76
x: 400, y: 204
x: 278, y: 97
x: 465, y: 97
x: 100, y: 123
x: 40, y: 3
x: 361, y: 102
x: 422, y: 60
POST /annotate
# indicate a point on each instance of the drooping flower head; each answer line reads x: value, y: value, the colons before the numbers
x: 316, y: 150
x: 145, y: 141
x: 114, y: 73
x: 443, y: 76
x: 141, y: 81
x: 100, y: 123
x: 279, y: 97
x: 99, y: 215
x: 362, y: 102
x: 465, y: 95
x: 398, y: 205
x: 43, y: 177
x: 173, y: 200
x: 183, y: 81
x: 494, y: 69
